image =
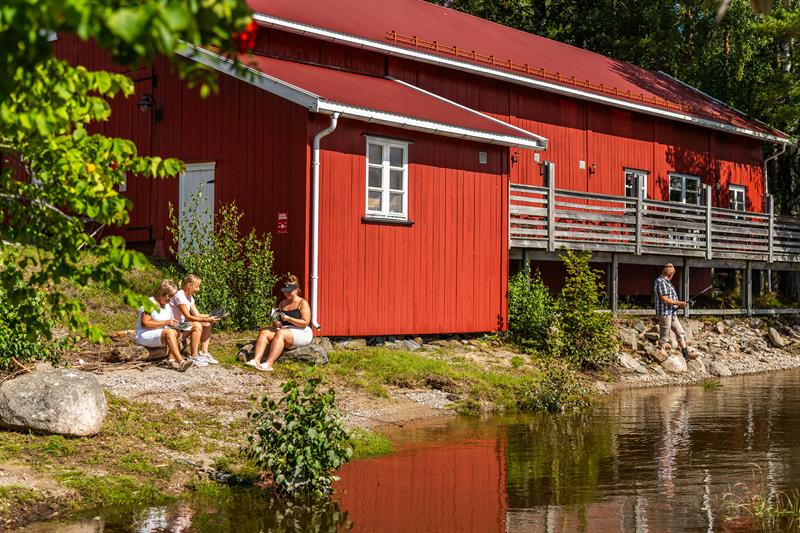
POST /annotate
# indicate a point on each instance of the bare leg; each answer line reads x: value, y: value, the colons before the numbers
x: 196, y: 333
x: 204, y: 338
x: 264, y: 337
x: 283, y: 340
x: 170, y: 338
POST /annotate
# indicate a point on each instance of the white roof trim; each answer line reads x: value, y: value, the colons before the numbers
x: 296, y: 27
x: 410, y: 123
x: 318, y: 104
x: 272, y: 85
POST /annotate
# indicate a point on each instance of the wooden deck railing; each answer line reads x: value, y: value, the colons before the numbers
x: 548, y: 218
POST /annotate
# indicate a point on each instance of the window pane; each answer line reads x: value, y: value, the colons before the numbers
x: 692, y: 185
x: 376, y: 154
x: 374, y: 202
x: 675, y: 195
x: 395, y: 156
x: 692, y: 198
x: 396, y: 180
x: 375, y: 177
x: 630, y: 185
x: 396, y: 202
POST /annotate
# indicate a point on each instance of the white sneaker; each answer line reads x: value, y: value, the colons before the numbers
x: 210, y: 359
x: 264, y: 367
x: 198, y: 360
x: 252, y: 362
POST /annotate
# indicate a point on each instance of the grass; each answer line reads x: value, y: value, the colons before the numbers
x: 712, y: 384
x: 370, y: 444
x: 773, y: 509
x: 111, y: 490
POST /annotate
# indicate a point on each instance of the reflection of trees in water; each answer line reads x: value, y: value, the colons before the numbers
x: 246, y: 510
x: 557, y: 459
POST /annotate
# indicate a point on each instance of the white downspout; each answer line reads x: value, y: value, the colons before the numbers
x: 766, y: 200
x: 315, y: 218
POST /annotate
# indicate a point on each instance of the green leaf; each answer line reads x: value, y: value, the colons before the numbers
x: 129, y: 22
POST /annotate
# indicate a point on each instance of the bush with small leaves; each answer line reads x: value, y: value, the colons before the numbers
x: 531, y: 310
x: 300, y: 439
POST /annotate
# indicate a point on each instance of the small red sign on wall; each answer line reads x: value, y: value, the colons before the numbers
x: 283, y: 222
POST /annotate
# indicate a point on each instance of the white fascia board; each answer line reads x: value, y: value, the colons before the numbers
x: 296, y: 27
x: 254, y: 77
x: 437, y: 128
x: 525, y: 133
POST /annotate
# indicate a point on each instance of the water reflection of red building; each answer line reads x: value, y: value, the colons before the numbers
x: 431, y: 490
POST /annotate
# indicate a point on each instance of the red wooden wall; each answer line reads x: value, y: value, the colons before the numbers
x: 257, y: 140
x: 447, y: 272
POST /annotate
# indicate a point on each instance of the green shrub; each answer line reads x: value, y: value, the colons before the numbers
x: 557, y: 389
x: 21, y: 342
x: 300, y: 440
x: 236, y: 270
x: 588, y: 337
x: 531, y: 310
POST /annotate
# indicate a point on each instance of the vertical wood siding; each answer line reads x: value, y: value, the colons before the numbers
x: 446, y: 273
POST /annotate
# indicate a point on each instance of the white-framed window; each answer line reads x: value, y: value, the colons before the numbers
x: 685, y: 189
x: 738, y: 194
x: 387, y: 178
x: 633, y: 180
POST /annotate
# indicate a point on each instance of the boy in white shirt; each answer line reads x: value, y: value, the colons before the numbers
x: 184, y: 309
x: 153, y: 329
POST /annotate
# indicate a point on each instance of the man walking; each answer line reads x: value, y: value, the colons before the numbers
x: 667, y: 305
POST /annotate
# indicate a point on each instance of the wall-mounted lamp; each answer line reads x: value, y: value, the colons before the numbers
x: 593, y: 168
x: 147, y: 102
x: 515, y: 157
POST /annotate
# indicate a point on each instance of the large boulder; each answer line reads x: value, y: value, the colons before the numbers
x: 631, y: 363
x: 720, y: 369
x: 64, y: 402
x: 629, y: 337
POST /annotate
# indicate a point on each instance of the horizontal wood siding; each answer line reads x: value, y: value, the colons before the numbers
x: 444, y: 274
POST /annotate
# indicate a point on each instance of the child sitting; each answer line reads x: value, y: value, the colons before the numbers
x: 183, y: 309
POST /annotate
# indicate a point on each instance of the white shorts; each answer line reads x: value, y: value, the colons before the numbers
x: 301, y: 336
x: 149, y: 338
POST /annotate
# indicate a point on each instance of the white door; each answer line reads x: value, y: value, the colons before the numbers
x: 196, y: 209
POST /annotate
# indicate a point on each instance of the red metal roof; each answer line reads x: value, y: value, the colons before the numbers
x: 381, y: 95
x: 453, y: 30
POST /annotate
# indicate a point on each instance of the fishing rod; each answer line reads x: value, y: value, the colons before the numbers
x: 691, y: 300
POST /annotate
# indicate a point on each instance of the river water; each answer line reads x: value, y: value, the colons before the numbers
x: 658, y: 460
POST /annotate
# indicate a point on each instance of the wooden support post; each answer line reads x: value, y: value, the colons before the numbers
x: 709, y: 253
x: 771, y: 212
x: 550, y: 176
x: 614, y: 289
x: 639, y: 214
x: 747, y: 289
x: 686, y: 294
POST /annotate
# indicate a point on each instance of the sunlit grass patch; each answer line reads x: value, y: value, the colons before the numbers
x: 370, y: 444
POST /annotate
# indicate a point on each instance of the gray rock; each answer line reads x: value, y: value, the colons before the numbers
x: 755, y: 322
x: 719, y: 327
x: 325, y: 342
x: 418, y: 340
x: 720, y: 369
x: 675, y: 364
x: 603, y: 387
x: 658, y: 370
x: 639, y: 326
x: 136, y: 353
x: 629, y: 337
x: 412, y: 345
x: 352, y: 344
x: 651, y: 336
x: 311, y: 354
x: 729, y: 322
x: 632, y: 363
x: 696, y: 365
x: 775, y: 338
x: 656, y: 354
x: 64, y: 402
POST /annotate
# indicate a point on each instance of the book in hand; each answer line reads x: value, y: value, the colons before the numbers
x: 276, y: 315
x: 219, y: 313
x: 182, y: 326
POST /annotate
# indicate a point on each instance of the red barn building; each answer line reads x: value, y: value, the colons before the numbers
x: 396, y: 151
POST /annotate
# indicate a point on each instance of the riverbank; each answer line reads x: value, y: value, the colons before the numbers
x: 167, y: 432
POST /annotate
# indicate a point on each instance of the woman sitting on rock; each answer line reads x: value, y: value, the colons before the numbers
x: 291, y: 331
x: 153, y: 329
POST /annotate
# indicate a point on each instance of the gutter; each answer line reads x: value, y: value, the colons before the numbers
x: 463, y: 66
x: 315, y: 219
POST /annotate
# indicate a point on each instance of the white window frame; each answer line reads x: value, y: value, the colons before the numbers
x: 384, y: 212
x: 735, y: 190
x: 684, y: 178
x: 641, y: 177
